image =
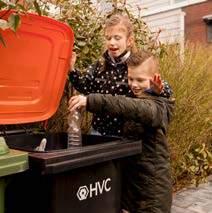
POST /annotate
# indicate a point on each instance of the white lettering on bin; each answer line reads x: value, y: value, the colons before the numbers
x: 94, y: 189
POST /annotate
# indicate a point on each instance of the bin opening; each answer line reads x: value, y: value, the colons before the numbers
x: 55, y: 141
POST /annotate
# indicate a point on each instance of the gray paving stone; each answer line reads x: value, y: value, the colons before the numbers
x: 180, y: 201
x: 176, y: 209
x: 194, y: 200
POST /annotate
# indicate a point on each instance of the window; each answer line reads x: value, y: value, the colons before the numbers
x: 209, y: 29
x: 186, y: 1
x: 178, y: 1
x: 208, y: 21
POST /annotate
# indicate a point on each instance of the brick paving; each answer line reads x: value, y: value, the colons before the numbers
x: 194, y: 200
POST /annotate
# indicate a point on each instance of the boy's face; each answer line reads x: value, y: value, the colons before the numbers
x: 139, y: 77
x: 117, y: 40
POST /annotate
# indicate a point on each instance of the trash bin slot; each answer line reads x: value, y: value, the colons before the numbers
x: 55, y: 141
x: 60, y: 162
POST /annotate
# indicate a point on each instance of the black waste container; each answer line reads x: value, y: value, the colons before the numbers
x: 74, y: 180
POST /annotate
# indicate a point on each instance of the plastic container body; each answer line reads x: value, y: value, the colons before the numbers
x: 74, y: 129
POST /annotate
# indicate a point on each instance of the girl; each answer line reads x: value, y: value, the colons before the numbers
x: 110, y: 75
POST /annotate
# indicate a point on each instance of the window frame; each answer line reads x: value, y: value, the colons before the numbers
x: 208, y: 21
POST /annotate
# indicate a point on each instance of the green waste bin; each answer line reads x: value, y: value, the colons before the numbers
x: 11, y: 162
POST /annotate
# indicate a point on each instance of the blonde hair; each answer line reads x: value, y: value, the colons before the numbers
x: 125, y: 21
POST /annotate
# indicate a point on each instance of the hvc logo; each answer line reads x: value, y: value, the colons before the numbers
x: 94, y: 189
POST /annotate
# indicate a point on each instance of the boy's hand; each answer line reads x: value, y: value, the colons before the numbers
x: 72, y: 61
x: 77, y: 102
x: 156, y: 84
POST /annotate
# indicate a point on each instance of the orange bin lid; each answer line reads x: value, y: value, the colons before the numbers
x: 33, y: 69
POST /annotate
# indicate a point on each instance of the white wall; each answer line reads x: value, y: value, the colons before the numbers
x: 149, y: 5
x: 171, y: 24
x: 155, y: 6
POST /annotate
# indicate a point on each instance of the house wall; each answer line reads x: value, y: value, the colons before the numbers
x: 171, y: 24
x: 195, y: 27
x: 149, y: 5
x: 178, y: 20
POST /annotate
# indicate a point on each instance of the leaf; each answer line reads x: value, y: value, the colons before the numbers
x: 21, y: 7
x: 197, y: 150
x: 2, y: 4
x: 2, y: 40
x: 85, y: 50
x: 81, y: 43
x: 209, y: 155
x: 12, y: 6
x: 14, y: 21
x: 192, y: 168
x: 204, y: 153
x: 37, y: 8
x: 79, y: 37
x: 3, y: 24
x: 205, y: 167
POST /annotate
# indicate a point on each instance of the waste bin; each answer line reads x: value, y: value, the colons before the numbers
x: 65, y: 180
x: 60, y: 179
x: 11, y: 162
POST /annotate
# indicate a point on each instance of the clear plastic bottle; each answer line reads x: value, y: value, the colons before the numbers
x: 74, y: 129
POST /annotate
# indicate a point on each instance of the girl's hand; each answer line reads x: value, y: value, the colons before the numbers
x: 73, y: 60
x: 156, y: 84
x: 77, y: 102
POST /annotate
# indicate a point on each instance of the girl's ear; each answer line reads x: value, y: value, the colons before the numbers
x: 130, y: 41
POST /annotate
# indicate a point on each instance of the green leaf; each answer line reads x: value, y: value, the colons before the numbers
x: 85, y: 50
x: 2, y: 4
x: 14, y: 21
x: 37, y: 8
x: 192, y: 168
x: 12, y: 6
x: 2, y: 40
x: 21, y: 7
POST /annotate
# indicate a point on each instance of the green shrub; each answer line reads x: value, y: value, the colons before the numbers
x: 190, y: 132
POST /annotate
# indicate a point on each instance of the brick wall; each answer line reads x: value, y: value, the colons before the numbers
x: 195, y: 27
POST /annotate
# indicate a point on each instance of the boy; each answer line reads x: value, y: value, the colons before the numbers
x: 146, y: 177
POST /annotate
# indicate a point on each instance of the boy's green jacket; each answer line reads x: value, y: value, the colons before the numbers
x: 146, y: 178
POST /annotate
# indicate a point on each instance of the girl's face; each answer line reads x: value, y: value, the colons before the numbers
x: 117, y: 40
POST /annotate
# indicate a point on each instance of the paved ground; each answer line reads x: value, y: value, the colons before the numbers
x: 194, y: 200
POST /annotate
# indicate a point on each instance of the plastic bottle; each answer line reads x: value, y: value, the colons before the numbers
x: 74, y: 129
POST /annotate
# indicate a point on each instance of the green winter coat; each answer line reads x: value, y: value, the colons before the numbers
x: 146, y: 178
